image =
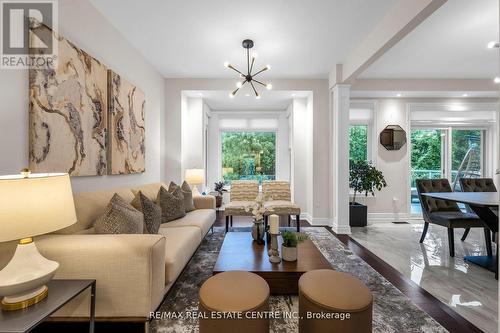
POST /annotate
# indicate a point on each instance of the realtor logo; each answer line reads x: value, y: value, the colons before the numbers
x: 27, y: 36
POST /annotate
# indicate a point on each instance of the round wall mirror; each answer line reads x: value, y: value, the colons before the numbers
x: 393, y: 137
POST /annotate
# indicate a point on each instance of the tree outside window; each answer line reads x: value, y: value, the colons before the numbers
x: 248, y: 156
x: 358, y: 142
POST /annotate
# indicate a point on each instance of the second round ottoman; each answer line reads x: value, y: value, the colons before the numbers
x: 234, y: 301
x: 331, y: 301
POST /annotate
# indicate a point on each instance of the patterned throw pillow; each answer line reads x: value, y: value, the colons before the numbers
x: 171, y: 203
x: 186, y: 192
x: 151, y: 212
x: 119, y: 217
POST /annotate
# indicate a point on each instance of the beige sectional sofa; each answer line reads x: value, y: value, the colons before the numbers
x: 133, y: 272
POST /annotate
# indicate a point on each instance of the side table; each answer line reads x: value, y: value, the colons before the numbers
x: 60, y: 293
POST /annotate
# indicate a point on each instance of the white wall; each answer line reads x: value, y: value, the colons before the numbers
x: 395, y: 164
x: 192, y: 134
x: 321, y: 195
x: 302, y: 155
x: 83, y: 25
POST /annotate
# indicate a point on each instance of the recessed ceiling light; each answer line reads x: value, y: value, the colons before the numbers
x: 398, y: 95
x: 496, y: 80
x: 247, y: 95
x: 492, y: 44
x: 293, y: 95
x: 464, y: 95
x: 200, y: 94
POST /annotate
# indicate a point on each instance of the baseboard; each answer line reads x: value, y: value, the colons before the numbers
x: 322, y: 221
x: 304, y: 217
x: 374, y: 218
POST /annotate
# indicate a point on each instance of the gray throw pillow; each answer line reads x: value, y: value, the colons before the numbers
x: 171, y: 203
x: 186, y: 192
x: 119, y: 217
x: 151, y: 212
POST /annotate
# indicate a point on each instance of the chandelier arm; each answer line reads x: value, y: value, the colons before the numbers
x: 235, y: 91
x: 265, y: 85
x: 262, y: 70
x: 254, y: 90
x: 251, y: 66
x: 234, y: 69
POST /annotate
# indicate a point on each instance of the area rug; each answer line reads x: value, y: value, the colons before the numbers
x: 392, y: 311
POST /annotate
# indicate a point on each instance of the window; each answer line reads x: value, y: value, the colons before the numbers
x: 358, y: 142
x: 248, y: 156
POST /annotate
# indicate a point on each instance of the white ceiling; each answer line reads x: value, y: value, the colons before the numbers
x: 451, y: 43
x: 193, y: 38
x: 245, y: 100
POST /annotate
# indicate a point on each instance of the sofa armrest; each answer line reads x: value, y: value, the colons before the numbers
x: 129, y: 269
x: 204, y: 201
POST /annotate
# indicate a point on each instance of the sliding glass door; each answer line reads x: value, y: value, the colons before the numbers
x: 450, y: 152
x: 427, y: 160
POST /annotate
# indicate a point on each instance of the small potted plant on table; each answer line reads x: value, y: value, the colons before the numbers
x: 363, y: 177
x: 219, y: 188
x: 289, y: 246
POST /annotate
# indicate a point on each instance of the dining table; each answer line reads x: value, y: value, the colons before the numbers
x: 484, y: 205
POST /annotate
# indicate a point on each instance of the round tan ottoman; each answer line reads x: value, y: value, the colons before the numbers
x: 234, y: 301
x: 331, y: 301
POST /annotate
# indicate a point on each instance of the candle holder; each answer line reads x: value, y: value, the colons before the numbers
x: 274, y: 254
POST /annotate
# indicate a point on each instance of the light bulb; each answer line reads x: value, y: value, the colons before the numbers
x: 269, y: 86
x: 398, y: 95
x: 255, y: 55
x: 226, y: 64
x: 268, y: 67
x: 492, y: 44
x: 231, y: 95
x: 238, y: 84
x: 464, y: 95
x: 257, y: 97
x: 496, y: 80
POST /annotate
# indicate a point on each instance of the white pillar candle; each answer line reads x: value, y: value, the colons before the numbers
x: 274, y: 224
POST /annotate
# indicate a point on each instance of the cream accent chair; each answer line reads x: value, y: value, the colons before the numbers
x: 133, y: 272
x: 279, y: 200
x: 243, y: 194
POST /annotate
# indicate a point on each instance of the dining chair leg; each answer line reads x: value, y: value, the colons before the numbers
x: 289, y: 220
x: 451, y: 241
x: 227, y: 223
x: 487, y: 237
x: 424, y: 232
x: 464, y: 236
x: 297, y: 218
x: 231, y: 218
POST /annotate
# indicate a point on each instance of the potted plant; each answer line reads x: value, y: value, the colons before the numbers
x: 289, y: 246
x: 219, y: 188
x: 363, y: 178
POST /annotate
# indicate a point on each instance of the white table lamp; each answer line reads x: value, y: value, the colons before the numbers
x: 31, y: 205
x: 195, y: 177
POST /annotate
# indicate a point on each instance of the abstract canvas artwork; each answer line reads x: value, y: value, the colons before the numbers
x: 68, y: 115
x: 126, y: 137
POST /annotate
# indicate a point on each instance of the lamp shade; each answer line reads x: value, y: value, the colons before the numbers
x: 35, y: 205
x: 195, y: 176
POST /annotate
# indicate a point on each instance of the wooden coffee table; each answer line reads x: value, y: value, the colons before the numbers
x: 240, y: 252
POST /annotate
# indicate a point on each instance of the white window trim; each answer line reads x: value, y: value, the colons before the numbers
x: 372, y: 135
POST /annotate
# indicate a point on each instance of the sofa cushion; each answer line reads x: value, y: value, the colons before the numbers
x: 119, y: 217
x: 181, y: 243
x: 151, y: 212
x: 171, y: 203
x: 90, y: 205
x: 186, y: 193
x: 203, y: 219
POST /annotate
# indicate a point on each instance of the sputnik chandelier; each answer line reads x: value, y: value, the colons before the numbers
x: 249, y: 77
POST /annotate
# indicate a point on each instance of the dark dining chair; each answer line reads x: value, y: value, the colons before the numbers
x: 477, y: 185
x: 445, y: 213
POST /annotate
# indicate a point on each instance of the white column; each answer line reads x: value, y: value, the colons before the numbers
x: 340, y: 142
